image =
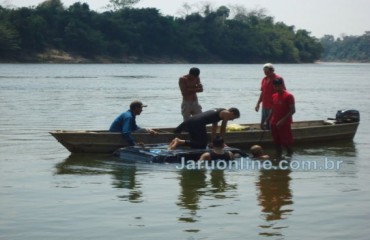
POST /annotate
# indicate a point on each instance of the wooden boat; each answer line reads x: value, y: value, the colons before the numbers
x: 304, y: 132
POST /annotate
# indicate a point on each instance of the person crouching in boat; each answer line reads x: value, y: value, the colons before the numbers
x: 217, y: 152
x: 126, y: 123
x: 197, y: 127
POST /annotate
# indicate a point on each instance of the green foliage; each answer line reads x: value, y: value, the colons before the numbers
x: 9, y: 37
x: 9, y: 40
x: 121, y: 4
x: 346, y: 49
x: 207, y: 36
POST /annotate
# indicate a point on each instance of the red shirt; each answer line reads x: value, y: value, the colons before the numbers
x: 267, y: 89
x: 281, y: 106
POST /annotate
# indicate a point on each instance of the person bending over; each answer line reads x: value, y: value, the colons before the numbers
x: 197, y: 127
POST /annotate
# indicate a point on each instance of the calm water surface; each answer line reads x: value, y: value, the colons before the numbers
x: 46, y: 193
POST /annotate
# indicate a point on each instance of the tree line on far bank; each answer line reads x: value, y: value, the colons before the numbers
x: 204, y: 36
x: 346, y: 49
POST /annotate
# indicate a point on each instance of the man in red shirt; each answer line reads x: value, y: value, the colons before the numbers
x: 267, y: 90
x: 280, y: 118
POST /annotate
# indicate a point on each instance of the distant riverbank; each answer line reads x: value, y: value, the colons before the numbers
x: 58, y: 56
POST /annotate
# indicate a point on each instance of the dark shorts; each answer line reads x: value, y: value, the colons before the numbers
x: 198, y: 136
x: 197, y: 133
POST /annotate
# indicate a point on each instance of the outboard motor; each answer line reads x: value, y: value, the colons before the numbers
x: 347, y: 116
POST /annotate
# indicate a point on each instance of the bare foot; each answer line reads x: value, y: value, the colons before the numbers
x: 173, y: 144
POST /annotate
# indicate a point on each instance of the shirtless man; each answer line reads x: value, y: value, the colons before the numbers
x: 190, y: 85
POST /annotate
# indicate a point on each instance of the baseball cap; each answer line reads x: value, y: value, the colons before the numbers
x: 137, y: 104
x: 269, y: 66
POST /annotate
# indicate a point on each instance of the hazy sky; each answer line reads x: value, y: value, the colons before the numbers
x: 320, y: 17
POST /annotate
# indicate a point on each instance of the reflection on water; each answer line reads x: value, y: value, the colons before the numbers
x: 87, y: 195
x: 275, y: 198
x: 219, y: 184
x: 337, y: 148
x: 203, y: 189
x: 124, y: 175
x: 194, y: 185
x: 83, y: 164
x: 191, y: 182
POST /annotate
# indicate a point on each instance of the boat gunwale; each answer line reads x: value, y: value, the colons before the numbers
x: 324, y: 123
x: 87, y: 141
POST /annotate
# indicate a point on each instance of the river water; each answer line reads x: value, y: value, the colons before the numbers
x: 46, y: 193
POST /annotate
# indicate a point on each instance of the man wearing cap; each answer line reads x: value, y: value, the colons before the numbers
x: 280, y: 118
x: 267, y: 89
x: 126, y: 122
x: 190, y: 85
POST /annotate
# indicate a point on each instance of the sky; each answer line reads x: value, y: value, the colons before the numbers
x: 319, y: 17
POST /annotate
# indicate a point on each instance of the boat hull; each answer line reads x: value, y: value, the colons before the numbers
x: 303, y: 132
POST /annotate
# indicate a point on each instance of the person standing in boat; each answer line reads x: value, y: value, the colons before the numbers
x: 218, y: 152
x: 197, y: 127
x: 267, y: 89
x: 190, y: 85
x: 126, y: 122
x: 280, y: 118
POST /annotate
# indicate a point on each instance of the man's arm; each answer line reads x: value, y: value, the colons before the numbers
x: 187, y: 89
x: 214, y: 129
x: 199, y: 86
x: 151, y: 131
x: 127, y: 128
x: 223, y: 128
x: 258, y: 102
x: 267, y: 121
x: 289, y: 114
x: 183, y: 86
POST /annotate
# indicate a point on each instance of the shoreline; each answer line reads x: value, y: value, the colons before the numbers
x: 54, y: 56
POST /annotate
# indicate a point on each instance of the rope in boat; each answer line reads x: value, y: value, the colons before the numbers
x: 262, y: 135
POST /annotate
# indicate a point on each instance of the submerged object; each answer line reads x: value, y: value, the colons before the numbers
x: 160, y: 154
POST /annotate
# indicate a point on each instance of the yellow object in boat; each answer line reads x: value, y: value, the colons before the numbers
x: 236, y: 127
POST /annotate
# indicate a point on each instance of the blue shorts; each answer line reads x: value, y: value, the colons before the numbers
x: 265, y: 113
